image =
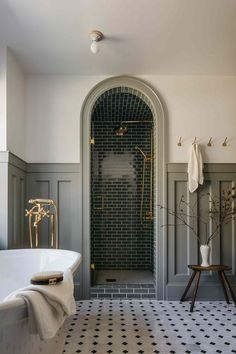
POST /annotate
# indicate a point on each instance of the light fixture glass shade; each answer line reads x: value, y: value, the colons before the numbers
x: 94, y: 47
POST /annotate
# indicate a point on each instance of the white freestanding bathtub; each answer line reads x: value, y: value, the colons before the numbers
x: 16, y: 269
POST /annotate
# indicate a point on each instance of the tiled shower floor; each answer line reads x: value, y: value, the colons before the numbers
x: 124, y: 276
x: 136, y: 327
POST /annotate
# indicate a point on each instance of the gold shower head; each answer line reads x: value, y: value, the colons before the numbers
x: 121, y: 130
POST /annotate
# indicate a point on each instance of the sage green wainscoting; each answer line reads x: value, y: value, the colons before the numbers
x: 3, y: 200
x: 183, y: 248
x: 12, y: 200
x: 17, y: 185
x: 19, y: 182
x: 60, y: 182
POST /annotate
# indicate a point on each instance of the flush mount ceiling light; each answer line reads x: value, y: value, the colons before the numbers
x: 95, y: 36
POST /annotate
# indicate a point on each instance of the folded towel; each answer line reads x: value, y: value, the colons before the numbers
x: 195, y: 168
x: 48, y: 305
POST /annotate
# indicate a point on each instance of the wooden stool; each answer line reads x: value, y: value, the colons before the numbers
x: 197, y: 270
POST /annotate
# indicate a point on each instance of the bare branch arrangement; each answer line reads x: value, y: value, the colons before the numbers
x: 221, y: 212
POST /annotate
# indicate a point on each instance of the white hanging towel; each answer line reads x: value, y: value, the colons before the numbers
x: 195, y: 168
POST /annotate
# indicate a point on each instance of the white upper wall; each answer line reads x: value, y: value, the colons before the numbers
x: 202, y: 106
x: 3, y: 99
x: 15, y: 107
x: 53, y: 105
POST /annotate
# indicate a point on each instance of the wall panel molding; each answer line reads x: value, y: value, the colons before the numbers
x: 3, y: 201
x: 17, y: 162
x: 53, y: 167
x: 12, y: 200
x: 20, y: 182
x: 62, y: 183
x: 16, y: 206
x: 183, y: 248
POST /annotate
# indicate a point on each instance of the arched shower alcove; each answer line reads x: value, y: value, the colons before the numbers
x: 133, y: 93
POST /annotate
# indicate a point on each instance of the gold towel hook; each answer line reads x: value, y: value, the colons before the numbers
x: 179, y: 142
x: 225, y: 142
x: 210, y: 142
x: 195, y: 140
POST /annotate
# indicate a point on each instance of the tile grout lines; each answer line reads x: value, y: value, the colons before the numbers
x: 150, y: 326
x: 128, y: 291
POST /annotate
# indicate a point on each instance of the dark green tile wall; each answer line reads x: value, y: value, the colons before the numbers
x: 118, y: 238
x: 119, y: 103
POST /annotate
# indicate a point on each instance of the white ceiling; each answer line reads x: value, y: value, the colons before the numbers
x: 172, y: 37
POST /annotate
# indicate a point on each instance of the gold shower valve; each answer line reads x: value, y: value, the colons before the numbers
x: 149, y: 215
x: 103, y: 202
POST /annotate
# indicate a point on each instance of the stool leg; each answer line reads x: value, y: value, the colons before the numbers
x: 195, y: 290
x: 223, y: 286
x: 229, y: 287
x: 188, y: 286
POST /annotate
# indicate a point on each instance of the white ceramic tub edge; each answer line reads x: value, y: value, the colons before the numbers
x: 13, y: 314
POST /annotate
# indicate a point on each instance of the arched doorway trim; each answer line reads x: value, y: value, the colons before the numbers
x: 160, y: 175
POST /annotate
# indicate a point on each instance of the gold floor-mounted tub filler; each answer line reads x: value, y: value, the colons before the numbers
x: 42, y: 208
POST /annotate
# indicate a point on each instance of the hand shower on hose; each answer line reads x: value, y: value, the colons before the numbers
x: 146, y: 158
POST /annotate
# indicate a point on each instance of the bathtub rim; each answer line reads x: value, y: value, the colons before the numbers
x: 14, y: 311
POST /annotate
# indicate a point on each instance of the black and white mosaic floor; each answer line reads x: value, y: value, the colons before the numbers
x: 136, y: 327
